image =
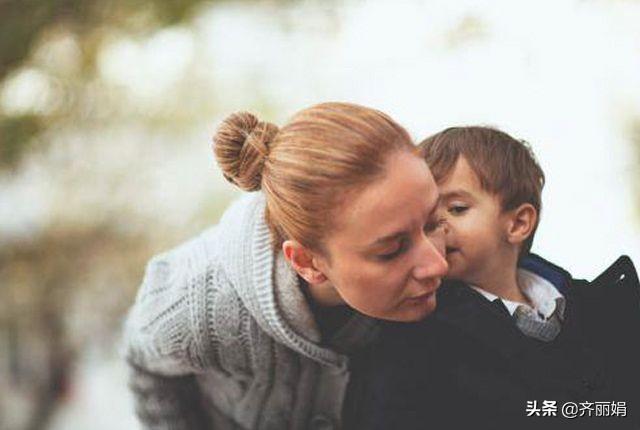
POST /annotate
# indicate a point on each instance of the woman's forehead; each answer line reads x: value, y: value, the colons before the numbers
x: 402, y: 200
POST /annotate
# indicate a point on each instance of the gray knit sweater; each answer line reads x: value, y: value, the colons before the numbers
x: 221, y: 336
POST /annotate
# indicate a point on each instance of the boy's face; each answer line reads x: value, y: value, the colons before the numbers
x: 475, y: 226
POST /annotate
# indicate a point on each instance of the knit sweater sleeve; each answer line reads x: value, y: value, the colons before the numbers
x: 167, y: 402
x: 164, y: 342
x: 160, y: 336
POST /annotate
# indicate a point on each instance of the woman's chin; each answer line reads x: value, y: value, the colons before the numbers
x: 420, y: 307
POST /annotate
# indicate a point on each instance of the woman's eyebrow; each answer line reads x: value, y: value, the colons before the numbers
x: 400, y: 234
x: 389, y: 238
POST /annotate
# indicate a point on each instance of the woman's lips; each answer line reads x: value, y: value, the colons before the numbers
x: 422, y: 297
x: 427, y: 294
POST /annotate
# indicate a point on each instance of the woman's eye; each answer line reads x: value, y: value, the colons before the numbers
x: 433, y: 226
x: 390, y: 255
x: 458, y: 209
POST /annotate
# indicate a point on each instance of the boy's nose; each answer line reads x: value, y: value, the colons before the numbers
x: 446, y: 227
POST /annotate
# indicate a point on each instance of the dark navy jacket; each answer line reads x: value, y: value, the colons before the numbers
x: 468, y: 366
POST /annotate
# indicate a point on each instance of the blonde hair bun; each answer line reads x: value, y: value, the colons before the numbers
x: 241, y: 146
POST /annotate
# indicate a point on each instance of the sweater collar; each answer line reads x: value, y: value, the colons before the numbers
x: 265, y: 282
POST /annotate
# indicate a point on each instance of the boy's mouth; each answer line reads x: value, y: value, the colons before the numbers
x: 451, y: 249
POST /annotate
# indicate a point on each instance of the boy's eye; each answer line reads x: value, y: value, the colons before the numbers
x: 458, y: 209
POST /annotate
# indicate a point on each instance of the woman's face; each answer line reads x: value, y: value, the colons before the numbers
x: 385, y: 253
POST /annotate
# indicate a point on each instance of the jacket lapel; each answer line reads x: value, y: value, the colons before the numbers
x: 487, y: 322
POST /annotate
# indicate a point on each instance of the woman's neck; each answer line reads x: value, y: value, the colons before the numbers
x: 324, y: 294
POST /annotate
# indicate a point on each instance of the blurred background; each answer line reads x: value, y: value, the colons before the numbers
x: 107, y: 109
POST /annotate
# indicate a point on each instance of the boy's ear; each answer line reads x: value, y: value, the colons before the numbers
x: 303, y: 262
x: 522, y: 222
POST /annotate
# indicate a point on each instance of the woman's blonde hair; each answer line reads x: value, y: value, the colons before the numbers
x: 310, y: 166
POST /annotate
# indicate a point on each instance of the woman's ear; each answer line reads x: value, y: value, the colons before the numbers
x: 522, y: 222
x: 303, y: 262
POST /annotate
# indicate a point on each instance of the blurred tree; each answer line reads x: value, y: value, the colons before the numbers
x: 67, y: 282
x: 16, y: 133
x: 61, y: 290
x: 24, y: 23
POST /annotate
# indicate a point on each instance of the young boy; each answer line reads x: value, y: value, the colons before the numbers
x: 515, y: 342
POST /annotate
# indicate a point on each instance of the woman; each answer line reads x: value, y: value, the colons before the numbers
x: 253, y: 323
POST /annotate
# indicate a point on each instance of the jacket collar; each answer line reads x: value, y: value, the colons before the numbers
x: 489, y: 322
x: 461, y: 307
x: 560, y: 278
x: 466, y: 310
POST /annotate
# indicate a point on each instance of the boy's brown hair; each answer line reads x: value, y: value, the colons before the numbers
x: 504, y: 166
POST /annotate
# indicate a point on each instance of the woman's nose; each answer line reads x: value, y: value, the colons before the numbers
x: 439, y: 237
x: 431, y: 260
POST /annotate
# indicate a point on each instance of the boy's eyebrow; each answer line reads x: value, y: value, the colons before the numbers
x: 455, y: 193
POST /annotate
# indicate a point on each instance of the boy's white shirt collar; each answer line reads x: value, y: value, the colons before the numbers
x: 542, y: 294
